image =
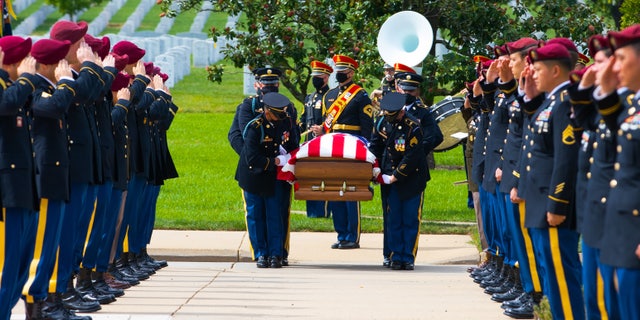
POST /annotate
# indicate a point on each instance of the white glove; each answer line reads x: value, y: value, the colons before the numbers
x: 282, y: 150
x: 376, y: 172
x: 386, y: 178
x: 283, y: 158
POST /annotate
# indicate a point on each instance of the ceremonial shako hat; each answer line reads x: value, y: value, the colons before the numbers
x: 121, y: 81
x: 343, y: 62
x: 319, y: 68
x: 554, y: 51
x: 392, y: 102
x: 625, y: 37
x: 409, y: 81
x: 596, y: 43
x: 399, y: 68
x: 134, y: 52
x: 583, y: 59
x: 521, y: 44
x: 50, y: 51
x: 15, y: 48
x: 276, y: 103
x: 565, y: 42
x: 68, y: 30
x: 267, y: 75
x: 499, y: 51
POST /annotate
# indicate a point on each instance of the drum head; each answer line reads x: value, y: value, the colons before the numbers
x: 450, y: 121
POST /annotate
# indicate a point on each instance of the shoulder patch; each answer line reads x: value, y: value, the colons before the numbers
x: 368, y: 110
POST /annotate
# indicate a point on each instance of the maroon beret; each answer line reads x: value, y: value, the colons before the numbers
x: 596, y: 43
x: 68, y: 30
x: 50, y: 51
x: 121, y: 81
x: 164, y: 76
x: 148, y: 68
x: 130, y: 49
x: 121, y: 61
x: 625, y: 37
x: 156, y: 70
x: 500, y: 51
x: 93, y: 42
x: 106, y: 46
x: 521, y: 44
x: 15, y: 48
x: 554, y: 51
x: 565, y: 42
x: 576, y: 75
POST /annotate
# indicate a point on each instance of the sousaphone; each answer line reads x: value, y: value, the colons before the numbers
x: 405, y: 37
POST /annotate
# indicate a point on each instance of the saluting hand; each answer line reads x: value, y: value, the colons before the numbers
x: 1, y: 56
x: 139, y: 69
x: 124, y: 94
x: 109, y: 61
x: 477, y: 89
x: 63, y: 70
x: 492, y: 72
x: 504, y: 71
x: 85, y: 53
x: 530, y: 89
x: 555, y: 220
x: 28, y: 65
x: 588, y: 78
x: 608, y: 78
x: 157, y: 82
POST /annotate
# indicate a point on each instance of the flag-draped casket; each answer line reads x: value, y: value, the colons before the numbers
x: 334, y: 167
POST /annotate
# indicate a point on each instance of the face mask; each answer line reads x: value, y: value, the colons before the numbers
x: 341, y: 77
x: 318, y: 83
x: 391, y: 117
x: 409, y: 99
x: 266, y: 89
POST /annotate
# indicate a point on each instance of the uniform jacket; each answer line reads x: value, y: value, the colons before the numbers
x: 17, y: 175
x: 139, y: 139
x: 477, y: 168
x: 358, y: 112
x: 104, y: 127
x: 312, y: 113
x: 119, y: 112
x: 431, y: 134
x: 513, y: 143
x: 496, y: 133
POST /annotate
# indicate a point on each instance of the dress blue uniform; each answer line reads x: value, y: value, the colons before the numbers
x: 398, y: 143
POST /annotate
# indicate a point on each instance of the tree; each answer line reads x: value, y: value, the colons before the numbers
x: 71, y: 7
x: 290, y: 33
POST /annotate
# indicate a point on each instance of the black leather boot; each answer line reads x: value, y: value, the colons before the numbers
x: 158, y: 264
x: 118, y: 275
x: 514, y: 292
x: 496, y: 279
x: 56, y: 310
x: 84, y: 285
x: 135, y: 265
x: 506, y: 284
x: 74, y: 301
x: 490, y: 272
x: 35, y: 310
x: 102, y: 287
x: 124, y: 266
x: 523, y: 312
x: 517, y: 302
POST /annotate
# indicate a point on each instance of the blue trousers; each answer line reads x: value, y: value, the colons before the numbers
x: 521, y: 246
x: 486, y: 205
x: 594, y: 290
x: 404, y: 225
x: 43, y: 264
x: 111, y: 222
x: 346, y: 219
x: 135, y: 190
x: 140, y: 219
x: 264, y: 223
x: 85, y: 224
x: 628, y: 292
x: 317, y: 209
x: 384, y: 196
x: 70, y: 235
x: 503, y: 234
x: 18, y: 233
x: 98, y: 226
x: 610, y: 291
x: 557, y: 255
x: 285, y: 206
x: 149, y: 219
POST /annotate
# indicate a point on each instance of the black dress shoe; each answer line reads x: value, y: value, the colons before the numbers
x: 72, y: 300
x: 396, y: 265
x: 348, y: 245
x: 262, y: 262
x: 509, y: 295
x: 285, y: 262
x: 517, y: 302
x: 408, y: 266
x: 275, y: 262
x: 336, y: 245
x: 386, y: 262
x: 524, y: 312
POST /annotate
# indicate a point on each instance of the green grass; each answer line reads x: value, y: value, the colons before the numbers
x: 151, y: 19
x: 93, y: 12
x: 29, y: 11
x: 45, y: 26
x: 183, y: 21
x: 216, y: 19
x: 118, y: 19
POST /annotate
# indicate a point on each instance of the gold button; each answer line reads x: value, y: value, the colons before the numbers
x: 613, y: 183
x: 591, y: 160
x: 125, y: 156
x: 588, y: 175
x: 70, y: 141
x: 619, y: 148
x: 595, y: 145
x: 57, y: 163
x: 619, y: 132
x: 531, y: 143
x: 629, y: 136
x: 529, y: 155
x: 13, y: 166
x: 603, y: 200
x: 508, y: 129
x: 602, y: 136
x: 632, y: 110
x: 635, y: 212
x: 526, y: 137
x: 616, y: 166
x: 528, y: 168
x: 524, y: 147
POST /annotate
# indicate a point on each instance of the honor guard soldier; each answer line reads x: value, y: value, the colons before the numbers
x: 397, y: 141
x: 312, y: 118
x: 620, y: 243
x: 348, y: 110
x: 387, y: 84
x: 264, y: 137
x: 7, y: 14
x: 50, y: 145
x: 550, y: 192
x: 19, y: 217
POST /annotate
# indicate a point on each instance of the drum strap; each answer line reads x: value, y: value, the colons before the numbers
x: 336, y: 108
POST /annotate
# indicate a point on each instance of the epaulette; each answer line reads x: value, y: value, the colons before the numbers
x: 257, y: 122
x: 420, y: 104
x: 411, y: 123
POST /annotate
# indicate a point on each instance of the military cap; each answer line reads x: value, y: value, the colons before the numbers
x: 499, y: 51
x: 576, y: 75
x: 68, y: 30
x: 596, y: 43
x: 163, y: 75
x: 121, y: 61
x: 400, y: 68
x: 625, y: 37
x: 319, y: 68
x: 343, y: 62
x: 93, y: 42
x: 267, y: 75
x: 521, y: 44
x: 106, y: 46
x: 15, y: 48
x: 482, y: 61
x: 121, y: 81
x: 565, y: 42
x: 148, y: 69
x: 409, y: 81
x: 392, y: 102
x: 50, y: 51
x: 276, y: 103
x: 387, y: 66
x: 134, y: 52
x: 583, y: 59
x: 553, y: 51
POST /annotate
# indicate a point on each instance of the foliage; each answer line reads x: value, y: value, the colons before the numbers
x: 290, y: 33
x: 629, y: 11
x: 71, y: 7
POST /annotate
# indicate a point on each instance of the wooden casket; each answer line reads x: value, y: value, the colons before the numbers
x: 333, y: 179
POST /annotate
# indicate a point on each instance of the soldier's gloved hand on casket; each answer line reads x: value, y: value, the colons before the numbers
x: 282, y: 159
x: 386, y: 179
x: 376, y: 172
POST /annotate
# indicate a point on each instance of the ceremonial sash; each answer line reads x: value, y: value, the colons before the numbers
x: 336, y: 108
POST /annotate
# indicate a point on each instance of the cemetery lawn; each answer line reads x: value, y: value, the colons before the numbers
x: 206, y: 196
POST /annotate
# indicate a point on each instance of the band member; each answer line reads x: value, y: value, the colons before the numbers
x: 397, y: 141
x: 312, y: 116
x: 387, y: 84
x: 347, y: 109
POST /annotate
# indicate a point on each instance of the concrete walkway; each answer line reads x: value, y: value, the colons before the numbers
x: 210, y: 277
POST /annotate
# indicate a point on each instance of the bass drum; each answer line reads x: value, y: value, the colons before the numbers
x: 447, y: 114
